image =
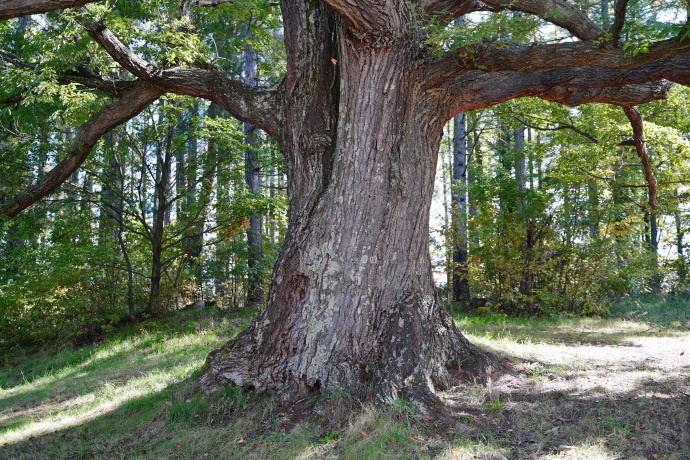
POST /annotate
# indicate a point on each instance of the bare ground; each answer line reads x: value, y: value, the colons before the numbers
x: 595, y: 389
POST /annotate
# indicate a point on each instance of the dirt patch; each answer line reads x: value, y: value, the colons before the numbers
x: 623, y: 396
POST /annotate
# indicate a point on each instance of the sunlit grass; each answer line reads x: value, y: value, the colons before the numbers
x: 51, y: 393
x: 134, y: 396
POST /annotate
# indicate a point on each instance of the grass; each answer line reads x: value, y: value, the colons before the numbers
x: 594, y: 388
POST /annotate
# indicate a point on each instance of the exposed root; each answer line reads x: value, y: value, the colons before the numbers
x: 442, y: 358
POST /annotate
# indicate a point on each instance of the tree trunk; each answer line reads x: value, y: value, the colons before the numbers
x: 352, y: 298
x: 255, y: 291
x: 163, y: 167
x: 527, y: 282
x: 461, y: 286
x: 681, y: 269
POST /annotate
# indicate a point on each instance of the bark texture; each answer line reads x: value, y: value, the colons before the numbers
x: 17, y: 8
x: 352, y: 297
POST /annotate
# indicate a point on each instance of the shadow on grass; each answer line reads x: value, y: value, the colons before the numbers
x: 565, y: 332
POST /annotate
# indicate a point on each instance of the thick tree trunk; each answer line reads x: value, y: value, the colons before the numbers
x: 352, y: 297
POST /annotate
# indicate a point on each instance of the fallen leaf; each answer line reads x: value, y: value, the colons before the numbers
x: 334, y: 61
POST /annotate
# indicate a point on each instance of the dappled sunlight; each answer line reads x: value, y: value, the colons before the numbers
x: 584, y: 451
x: 49, y: 417
x: 583, y: 365
x: 99, y: 382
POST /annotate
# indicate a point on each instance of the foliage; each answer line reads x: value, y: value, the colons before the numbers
x: 70, y: 259
x: 585, y: 201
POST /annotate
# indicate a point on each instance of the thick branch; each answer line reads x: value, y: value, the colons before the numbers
x: 540, y: 58
x: 256, y: 105
x: 452, y: 9
x: 17, y: 8
x: 556, y: 12
x: 575, y: 85
x: 122, y: 110
x: 620, y: 95
x: 635, y: 118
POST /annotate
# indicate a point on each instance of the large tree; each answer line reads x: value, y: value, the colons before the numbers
x: 359, y: 116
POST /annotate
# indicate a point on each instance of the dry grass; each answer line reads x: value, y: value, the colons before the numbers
x: 585, y: 388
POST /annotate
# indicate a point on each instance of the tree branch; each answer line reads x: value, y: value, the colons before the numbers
x: 569, y: 85
x: 635, y: 118
x: 16, y: 8
x: 259, y: 106
x: 557, y: 12
x: 560, y: 127
x: 122, y: 110
x: 453, y: 9
x: 620, y: 95
x: 490, y: 57
x: 618, y: 23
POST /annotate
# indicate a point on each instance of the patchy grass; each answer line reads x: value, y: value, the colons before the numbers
x: 587, y: 388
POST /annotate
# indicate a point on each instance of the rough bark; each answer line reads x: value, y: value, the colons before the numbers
x: 635, y: 118
x: 16, y: 8
x: 352, y: 297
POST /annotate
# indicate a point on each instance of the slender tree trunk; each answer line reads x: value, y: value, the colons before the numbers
x: 450, y: 229
x: 657, y: 277
x: 461, y: 286
x: 163, y: 169
x: 593, y: 198
x: 681, y: 269
x: 255, y: 292
x: 527, y: 282
x: 352, y: 297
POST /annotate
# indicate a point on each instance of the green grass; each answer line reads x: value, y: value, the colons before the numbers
x: 133, y: 396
